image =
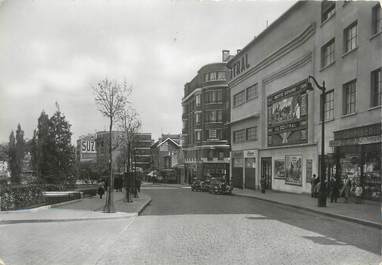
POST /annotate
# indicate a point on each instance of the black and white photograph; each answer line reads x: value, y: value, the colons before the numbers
x: 183, y: 132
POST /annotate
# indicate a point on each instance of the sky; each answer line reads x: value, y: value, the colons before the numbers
x: 56, y: 50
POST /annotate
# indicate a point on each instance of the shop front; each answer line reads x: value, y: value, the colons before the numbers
x: 237, y: 169
x: 250, y: 162
x: 358, y: 156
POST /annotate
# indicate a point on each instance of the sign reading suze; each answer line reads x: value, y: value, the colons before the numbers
x: 88, y: 145
x: 288, y: 115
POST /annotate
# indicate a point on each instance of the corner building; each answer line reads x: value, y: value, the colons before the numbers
x: 205, y: 133
x: 276, y: 122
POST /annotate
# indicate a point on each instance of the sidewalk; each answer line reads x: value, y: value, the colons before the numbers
x: 368, y: 213
x: 78, y: 210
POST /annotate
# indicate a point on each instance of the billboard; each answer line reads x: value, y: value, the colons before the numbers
x: 288, y: 116
x: 88, y: 145
x: 293, y: 170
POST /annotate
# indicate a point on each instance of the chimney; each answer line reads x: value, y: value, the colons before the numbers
x: 225, y: 55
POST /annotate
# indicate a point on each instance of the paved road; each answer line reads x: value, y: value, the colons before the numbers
x: 183, y: 227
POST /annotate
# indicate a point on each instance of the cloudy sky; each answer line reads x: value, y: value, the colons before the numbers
x: 55, y: 50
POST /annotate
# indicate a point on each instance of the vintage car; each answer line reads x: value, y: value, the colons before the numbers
x: 219, y: 186
x: 199, y: 185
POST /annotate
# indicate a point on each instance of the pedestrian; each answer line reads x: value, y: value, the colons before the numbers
x: 101, y: 189
x: 358, y: 192
x: 138, y: 183
x: 345, y: 191
x: 333, y: 189
x: 262, y: 183
x: 313, y: 185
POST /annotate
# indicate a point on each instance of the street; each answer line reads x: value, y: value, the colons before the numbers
x: 184, y: 227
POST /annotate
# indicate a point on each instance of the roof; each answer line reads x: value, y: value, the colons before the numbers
x: 168, y: 140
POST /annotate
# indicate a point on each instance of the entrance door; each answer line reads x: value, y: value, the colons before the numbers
x: 250, y: 173
x: 266, y: 171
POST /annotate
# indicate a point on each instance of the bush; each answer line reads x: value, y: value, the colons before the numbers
x: 14, y: 197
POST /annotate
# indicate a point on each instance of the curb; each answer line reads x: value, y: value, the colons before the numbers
x: 5, y: 222
x: 144, y: 206
x: 338, y: 216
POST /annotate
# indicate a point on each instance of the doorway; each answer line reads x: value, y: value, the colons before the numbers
x: 266, y: 171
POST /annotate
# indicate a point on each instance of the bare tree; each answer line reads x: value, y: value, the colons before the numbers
x: 130, y: 124
x: 111, y: 98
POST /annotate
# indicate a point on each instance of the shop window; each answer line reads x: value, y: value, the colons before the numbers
x: 350, y: 37
x: 251, y: 92
x: 329, y: 106
x: 376, y: 88
x: 327, y: 53
x: 239, y: 99
x: 349, y: 94
x: 376, y: 19
x: 239, y: 136
x: 251, y: 134
x: 328, y: 9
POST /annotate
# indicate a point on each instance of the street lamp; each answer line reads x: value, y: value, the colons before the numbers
x: 322, y: 195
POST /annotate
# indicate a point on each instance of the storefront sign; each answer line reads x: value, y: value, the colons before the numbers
x: 250, y: 153
x: 309, y: 168
x: 239, y: 66
x: 279, y: 169
x: 88, y: 145
x: 288, y: 116
x: 293, y: 170
x: 364, y: 131
x: 356, y: 141
x: 237, y: 154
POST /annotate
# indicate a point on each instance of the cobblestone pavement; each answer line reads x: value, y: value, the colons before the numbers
x: 184, y: 227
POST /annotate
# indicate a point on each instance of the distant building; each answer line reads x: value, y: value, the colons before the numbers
x: 143, y: 142
x: 206, y: 135
x: 168, y: 159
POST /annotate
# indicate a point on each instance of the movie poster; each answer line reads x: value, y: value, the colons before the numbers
x: 293, y: 170
x: 279, y: 169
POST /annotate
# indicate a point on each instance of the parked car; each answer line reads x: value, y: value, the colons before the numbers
x: 200, y: 185
x: 219, y: 186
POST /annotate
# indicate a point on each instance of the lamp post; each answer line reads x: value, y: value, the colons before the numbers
x: 322, y: 194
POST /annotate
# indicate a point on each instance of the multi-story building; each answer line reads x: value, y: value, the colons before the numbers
x: 275, y: 121
x: 205, y: 122
x: 142, y: 149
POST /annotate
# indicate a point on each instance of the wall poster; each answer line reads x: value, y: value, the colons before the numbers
x: 279, y: 169
x: 288, y: 115
x: 293, y: 170
x: 309, y: 166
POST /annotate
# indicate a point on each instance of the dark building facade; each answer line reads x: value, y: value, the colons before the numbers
x: 205, y: 133
x: 143, y: 142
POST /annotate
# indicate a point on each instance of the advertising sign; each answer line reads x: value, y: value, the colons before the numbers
x: 88, y: 145
x: 288, y: 116
x: 279, y: 169
x: 293, y: 170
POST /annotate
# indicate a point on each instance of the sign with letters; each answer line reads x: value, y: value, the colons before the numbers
x: 88, y: 145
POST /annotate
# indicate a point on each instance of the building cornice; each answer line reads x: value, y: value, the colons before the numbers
x: 198, y: 147
x: 277, y: 54
x: 199, y: 89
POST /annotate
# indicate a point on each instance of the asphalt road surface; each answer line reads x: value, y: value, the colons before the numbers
x: 184, y: 227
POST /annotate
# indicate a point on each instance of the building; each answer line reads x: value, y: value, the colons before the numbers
x: 205, y: 122
x: 275, y: 121
x: 167, y: 158
x: 141, y: 159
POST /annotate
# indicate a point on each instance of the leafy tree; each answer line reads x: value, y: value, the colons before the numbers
x: 111, y: 99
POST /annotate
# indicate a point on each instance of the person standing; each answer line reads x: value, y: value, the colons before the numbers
x: 101, y: 189
x: 262, y: 184
x: 333, y: 189
x: 346, y: 188
x: 313, y: 185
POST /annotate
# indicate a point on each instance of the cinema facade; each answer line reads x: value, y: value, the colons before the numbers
x: 275, y: 121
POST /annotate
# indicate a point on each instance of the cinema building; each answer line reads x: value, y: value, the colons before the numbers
x: 276, y: 121
x: 205, y: 122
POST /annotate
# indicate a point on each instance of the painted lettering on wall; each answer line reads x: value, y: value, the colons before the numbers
x: 240, y: 66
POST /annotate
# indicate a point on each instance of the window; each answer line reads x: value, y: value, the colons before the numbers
x: 327, y: 53
x: 211, y: 134
x: 197, y: 117
x: 221, y: 75
x: 329, y: 106
x: 214, y: 96
x: 219, y: 95
x: 219, y: 134
x: 239, y: 99
x: 376, y: 19
x: 328, y: 9
x: 239, y: 136
x: 251, y: 92
x: 206, y: 77
x: 197, y: 99
x: 219, y: 115
x: 210, y: 116
x: 349, y: 97
x: 197, y: 135
x: 376, y: 88
x: 251, y: 133
x: 212, y: 76
x: 350, y: 37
